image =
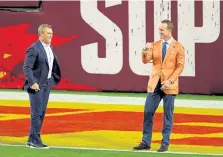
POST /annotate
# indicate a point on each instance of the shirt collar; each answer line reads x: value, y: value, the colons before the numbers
x: 45, y: 45
x: 168, y: 41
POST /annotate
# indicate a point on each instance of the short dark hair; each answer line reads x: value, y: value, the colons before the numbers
x: 169, y: 24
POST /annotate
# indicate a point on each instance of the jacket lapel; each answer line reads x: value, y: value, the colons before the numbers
x: 43, y: 51
x: 52, y: 50
x: 160, y: 50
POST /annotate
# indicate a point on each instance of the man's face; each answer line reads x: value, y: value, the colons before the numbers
x: 47, y: 35
x: 164, y: 32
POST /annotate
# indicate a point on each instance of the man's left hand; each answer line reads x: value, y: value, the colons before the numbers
x: 165, y: 85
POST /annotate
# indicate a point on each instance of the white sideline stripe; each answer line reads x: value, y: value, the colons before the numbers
x: 111, y: 100
x: 115, y: 150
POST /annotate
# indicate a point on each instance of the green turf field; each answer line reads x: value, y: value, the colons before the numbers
x: 14, y: 151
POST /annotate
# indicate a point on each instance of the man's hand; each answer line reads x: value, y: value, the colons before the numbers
x: 147, y: 53
x: 165, y: 85
x: 35, y: 86
x: 148, y: 46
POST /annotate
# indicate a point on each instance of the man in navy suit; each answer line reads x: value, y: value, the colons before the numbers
x: 42, y: 71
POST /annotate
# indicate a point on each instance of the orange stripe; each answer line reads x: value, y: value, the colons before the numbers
x: 110, y: 120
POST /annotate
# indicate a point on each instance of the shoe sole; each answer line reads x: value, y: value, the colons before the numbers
x: 39, y: 147
x: 141, y: 149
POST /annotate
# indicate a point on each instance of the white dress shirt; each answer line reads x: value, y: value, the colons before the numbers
x: 50, y: 57
x: 168, y: 43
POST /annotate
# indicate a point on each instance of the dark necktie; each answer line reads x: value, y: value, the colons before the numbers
x: 164, y: 50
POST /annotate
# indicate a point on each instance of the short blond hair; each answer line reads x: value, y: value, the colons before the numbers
x: 42, y: 26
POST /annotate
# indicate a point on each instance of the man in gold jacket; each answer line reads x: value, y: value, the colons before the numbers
x: 168, y: 58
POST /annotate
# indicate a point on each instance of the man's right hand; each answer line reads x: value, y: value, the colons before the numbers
x: 35, y: 86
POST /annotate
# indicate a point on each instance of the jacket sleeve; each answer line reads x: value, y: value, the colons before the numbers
x: 30, y: 59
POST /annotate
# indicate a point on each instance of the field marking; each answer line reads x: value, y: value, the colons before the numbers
x: 118, y: 101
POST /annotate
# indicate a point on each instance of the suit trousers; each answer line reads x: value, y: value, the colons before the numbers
x: 151, y: 104
x: 38, y: 105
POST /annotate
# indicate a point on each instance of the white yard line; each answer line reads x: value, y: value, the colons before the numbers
x: 115, y: 150
x: 111, y: 100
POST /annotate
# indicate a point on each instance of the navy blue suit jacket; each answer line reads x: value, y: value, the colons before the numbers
x: 36, y: 66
